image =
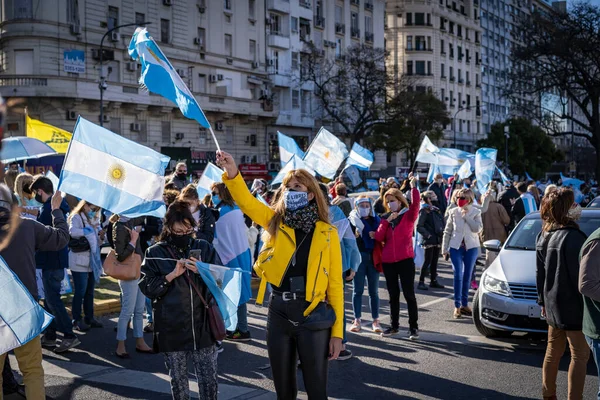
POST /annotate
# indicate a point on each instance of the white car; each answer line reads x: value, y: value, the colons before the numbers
x: 506, y: 301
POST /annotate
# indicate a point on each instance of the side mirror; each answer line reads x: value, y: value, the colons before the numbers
x: 492, y: 245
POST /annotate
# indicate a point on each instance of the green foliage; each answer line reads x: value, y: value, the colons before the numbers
x: 529, y: 148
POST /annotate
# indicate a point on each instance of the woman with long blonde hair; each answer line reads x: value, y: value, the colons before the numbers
x: 302, y: 260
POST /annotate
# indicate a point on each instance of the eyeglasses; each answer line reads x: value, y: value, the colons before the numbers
x: 183, y: 233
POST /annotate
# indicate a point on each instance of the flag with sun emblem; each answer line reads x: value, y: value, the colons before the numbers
x: 114, y: 173
x: 325, y: 154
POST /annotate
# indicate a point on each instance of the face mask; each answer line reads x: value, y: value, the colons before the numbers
x: 216, y: 200
x: 295, y: 200
x: 180, y: 241
x: 574, y: 213
x: 91, y: 214
x: 38, y: 198
x: 434, y: 200
x: 364, y: 212
x: 32, y: 203
x: 182, y: 176
x: 462, y: 202
x: 440, y: 181
x: 393, y: 205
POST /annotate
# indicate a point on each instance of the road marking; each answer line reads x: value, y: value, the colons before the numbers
x: 432, y: 302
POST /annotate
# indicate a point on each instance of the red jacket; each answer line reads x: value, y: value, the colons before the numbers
x: 397, y: 242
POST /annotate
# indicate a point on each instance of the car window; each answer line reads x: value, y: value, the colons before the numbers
x: 525, y: 234
x: 594, y: 204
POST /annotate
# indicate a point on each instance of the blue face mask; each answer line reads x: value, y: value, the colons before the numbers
x: 91, y: 214
x: 295, y: 200
x: 32, y: 203
x: 216, y: 199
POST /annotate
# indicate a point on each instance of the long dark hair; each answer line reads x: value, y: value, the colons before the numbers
x: 555, y: 209
x: 178, y: 212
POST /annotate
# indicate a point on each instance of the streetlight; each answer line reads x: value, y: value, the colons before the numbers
x: 506, y: 135
x: 102, y: 85
x: 454, y: 121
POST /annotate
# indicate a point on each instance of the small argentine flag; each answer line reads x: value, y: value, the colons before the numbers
x: 114, y: 173
x: 360, y: 157
x: 294, y: 164
x: 210, y: 175
x: 21, y: 317
x: 325, y: 154
x: 288, y: 148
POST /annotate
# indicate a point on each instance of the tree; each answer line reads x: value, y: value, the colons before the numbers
x: 530, y: 149
x: 350, y: 90
x: 559, y: 56
x: 411, y: 116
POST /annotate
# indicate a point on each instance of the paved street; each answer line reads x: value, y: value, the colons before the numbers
x: 450, y: 361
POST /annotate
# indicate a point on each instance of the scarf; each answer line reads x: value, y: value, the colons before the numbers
x: 304, y: 218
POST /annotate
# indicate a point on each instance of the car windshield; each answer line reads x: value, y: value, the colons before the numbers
x: 595, y: 203
x: 525, y: 234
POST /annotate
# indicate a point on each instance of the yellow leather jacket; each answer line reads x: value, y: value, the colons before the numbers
x: 324, y: 274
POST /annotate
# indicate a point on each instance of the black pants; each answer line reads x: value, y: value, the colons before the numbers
x: 285, y: 341
x: 9, y: 383
x: 432, y: 255
x: 404, y: 269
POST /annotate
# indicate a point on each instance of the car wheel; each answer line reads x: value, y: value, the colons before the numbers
x: 484, y: 330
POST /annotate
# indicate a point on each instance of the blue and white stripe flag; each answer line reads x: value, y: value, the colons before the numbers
x: 114, y: 173
x: 505, y: 180
x: 231, y: 243
x: 294, y: 164
x: 529, y: 178
x: 427, y: 152
x: 21, y: 317
x: 465, y: 170
x: 573, y: 182
x: 485, y: 165
x: 288, y: 148
x: 360, y: 157
x: 325, y: 154
x: 210, y: 175
x: 529, y: 203
x: 352, y: 172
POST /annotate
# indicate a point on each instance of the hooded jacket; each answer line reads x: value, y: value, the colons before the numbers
x: 430, y: 225
x: 56, y: 259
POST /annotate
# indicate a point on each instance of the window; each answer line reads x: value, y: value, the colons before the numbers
x: 202, y: 83
x: 202, y: 36
x: 460, y: 53
x: 420, y: 67
x: 251, y: 9
x: 409, y: 43
x: 443, y: 94
x: 419, y: 18
x: 467, y: 54
x: 339, y: 15
x: 459, y: 30
x: 451, y: 49
x: 460, y: 102
x: 252, y: 48
x: 228, y: 18
x: 227, y: 4
x: 354, y: 21
x: 228, y: 45
x: 467, y: 77
x: 165, y: 31
x: 409, y: 68
x: 275, y: 24
x: 339, y: 45
x: 451, y: 27
x: 294, y: 24
x: 429, y: 68
x: 140, y: 18
x: 276, y: 58
x: 468, y: 100
x: 165, y: 131
x: 451, y: 98
x: 113, y: 17
x: 442, y: 47
x: 429, y: 20
x: 443, y: 70
x: 305, y: 105
x: 451, y: 70
x: 319, y: 8
x: 420, y: 43
x: 459, y: 74
x: 72, y: 11
x: 368, y: 24
x: 24, y: 62
x: 229, y: 134
x: 408, y: 19
x: 295, y: 64
x: 295, y: 99
x: 442, y: 23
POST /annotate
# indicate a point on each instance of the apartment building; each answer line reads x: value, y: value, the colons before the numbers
x: 436, y: 45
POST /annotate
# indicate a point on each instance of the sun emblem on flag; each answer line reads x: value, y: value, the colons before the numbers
x: 327, y: 153
x: 116, y: 173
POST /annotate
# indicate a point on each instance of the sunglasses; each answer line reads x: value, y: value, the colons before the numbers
x: 461, y: 198
x: 214, y: 194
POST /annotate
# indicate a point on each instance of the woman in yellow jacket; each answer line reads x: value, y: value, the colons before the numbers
x: 302, y: 260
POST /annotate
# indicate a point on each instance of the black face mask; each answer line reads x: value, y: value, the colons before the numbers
x: 182, y: 176
x: 38, y: 198
x: 180, y: 241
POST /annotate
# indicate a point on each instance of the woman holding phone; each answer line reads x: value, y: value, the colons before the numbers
x: 302, y: 259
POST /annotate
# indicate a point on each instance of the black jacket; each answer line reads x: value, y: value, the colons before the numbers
x: 180, y: 318
x: 557, y: 277
x: 431, y: 226
x: 206, y: 230
x: 121, y: 237
x: 505, y: 198
x: 440, y: 192
x: 52, y: 259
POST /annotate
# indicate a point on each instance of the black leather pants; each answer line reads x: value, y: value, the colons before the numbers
x: 285, y: 341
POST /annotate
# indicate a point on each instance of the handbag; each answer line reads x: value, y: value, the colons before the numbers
x: 322, y: 317
x: 126, y: 270
x: 79, y: 245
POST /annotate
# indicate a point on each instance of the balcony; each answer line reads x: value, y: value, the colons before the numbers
x: 468, y: 83
x: 280, y: 80
x: 419, y: 50
x: 451, y: 79
x: 355, y: 2
x: 340, y: 29
x: 305, y: 3
x: 319, y: 22
x: 282, y: 6
x: 368, y: 5
x: 355, y: 33
x: 278, y: 41
x: 369, y: 36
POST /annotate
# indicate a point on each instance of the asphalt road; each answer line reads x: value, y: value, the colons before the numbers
x: 450, y: 361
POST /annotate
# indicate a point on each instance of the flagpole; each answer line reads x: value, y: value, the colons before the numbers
x: 214, y: 137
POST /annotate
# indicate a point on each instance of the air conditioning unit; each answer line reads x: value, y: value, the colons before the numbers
x: 220, y: 77
x: 273, y: 166
x: 254, y: 64
x: 181, y: 72
x: 229, y: 60
x: 132, y: 66
x: 105, y: 118
x: 75, y: 29
x: 71, y: 115
x: 326, y: 43
x: 212, y: 78
x: 219, y: 126
x: 270, y: 62
x: 167, y: 2
x: 115, y: 36
x: 135, y: 127
x: 179, y: 136
x: 198, y: 41
x: 201, y: 8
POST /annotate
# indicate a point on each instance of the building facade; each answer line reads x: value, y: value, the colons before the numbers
x: 238, y: 57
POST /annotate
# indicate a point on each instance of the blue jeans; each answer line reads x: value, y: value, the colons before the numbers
x: 595, y: 346
x: 132, y: 304
x: 463, y: 261
x: 366, y: 270
x: 52, y: 279
x: 242, y: 314
x: 85, y: 284
x: 149, y: 310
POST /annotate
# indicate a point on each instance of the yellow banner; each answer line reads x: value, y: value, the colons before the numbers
x: 54, y: 137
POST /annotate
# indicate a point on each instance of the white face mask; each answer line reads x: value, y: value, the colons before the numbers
x: 393, y: 205
x: 364, y: 212
x: 440, y: 181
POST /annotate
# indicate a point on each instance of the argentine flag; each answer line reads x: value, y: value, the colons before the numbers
x: 288, y: 148
x: 360, y: 157
x: 465, y: 170
x: 21, y: 317
x: 485, y: 165
x: 210, y: 175
x: 159, y: 76
x: 294, y: 164
x: 505, y: 180
x: 325, y: 154
x: 114, y: 173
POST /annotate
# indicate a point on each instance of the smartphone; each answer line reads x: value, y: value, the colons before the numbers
x: 197, y: 254
x: 297, y: 284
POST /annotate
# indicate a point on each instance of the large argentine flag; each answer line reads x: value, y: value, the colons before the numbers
x: 21, y: 317
x: 231, y: 243
x: 325, y: 154
x: 159, y: 76
x: 294, y: 163
x: 210, y: 175
x: 360, y: 157
x: 113, y: 173
x: 485, y: 166
x: 428, y: 152
x: 287, y: 148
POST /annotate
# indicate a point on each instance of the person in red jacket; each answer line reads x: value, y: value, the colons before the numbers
x: 395, y: 232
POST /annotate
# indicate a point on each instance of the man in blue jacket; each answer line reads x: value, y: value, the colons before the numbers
x: 53, y: 264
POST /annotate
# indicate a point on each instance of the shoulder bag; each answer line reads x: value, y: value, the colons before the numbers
x: 79, y: 245
x: 126, y: 270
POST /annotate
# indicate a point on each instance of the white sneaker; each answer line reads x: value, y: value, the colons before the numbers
x: 376, y: 327
x: 355, y: 326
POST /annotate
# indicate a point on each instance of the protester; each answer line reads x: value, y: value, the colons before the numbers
x: 557, y: 251
x: 259, y: 187
x: 20, y: 238
x: 549, y: 189
x: 125, y: 242
x: 524, y: 205
x: 533, y: 190
x: 53, y: 265
x: 9, y: 179
x: 179, y: 178
x: 365, y: 224
x: 83, y: 226
x: 169, y: 196
x: 231, y: 243
x: 342, y: 200
x: 395, y: 234
x: 379, y: 206
x: 461, y: 245
x: 22, y: 190
x: 204, y: 218
x: 439, y: 188
x: 508, y: 198
x: 430, y: 226
x: 495, y: 220
x: 299, y: 234
x: 181, y: 329
x: 589, y: 287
